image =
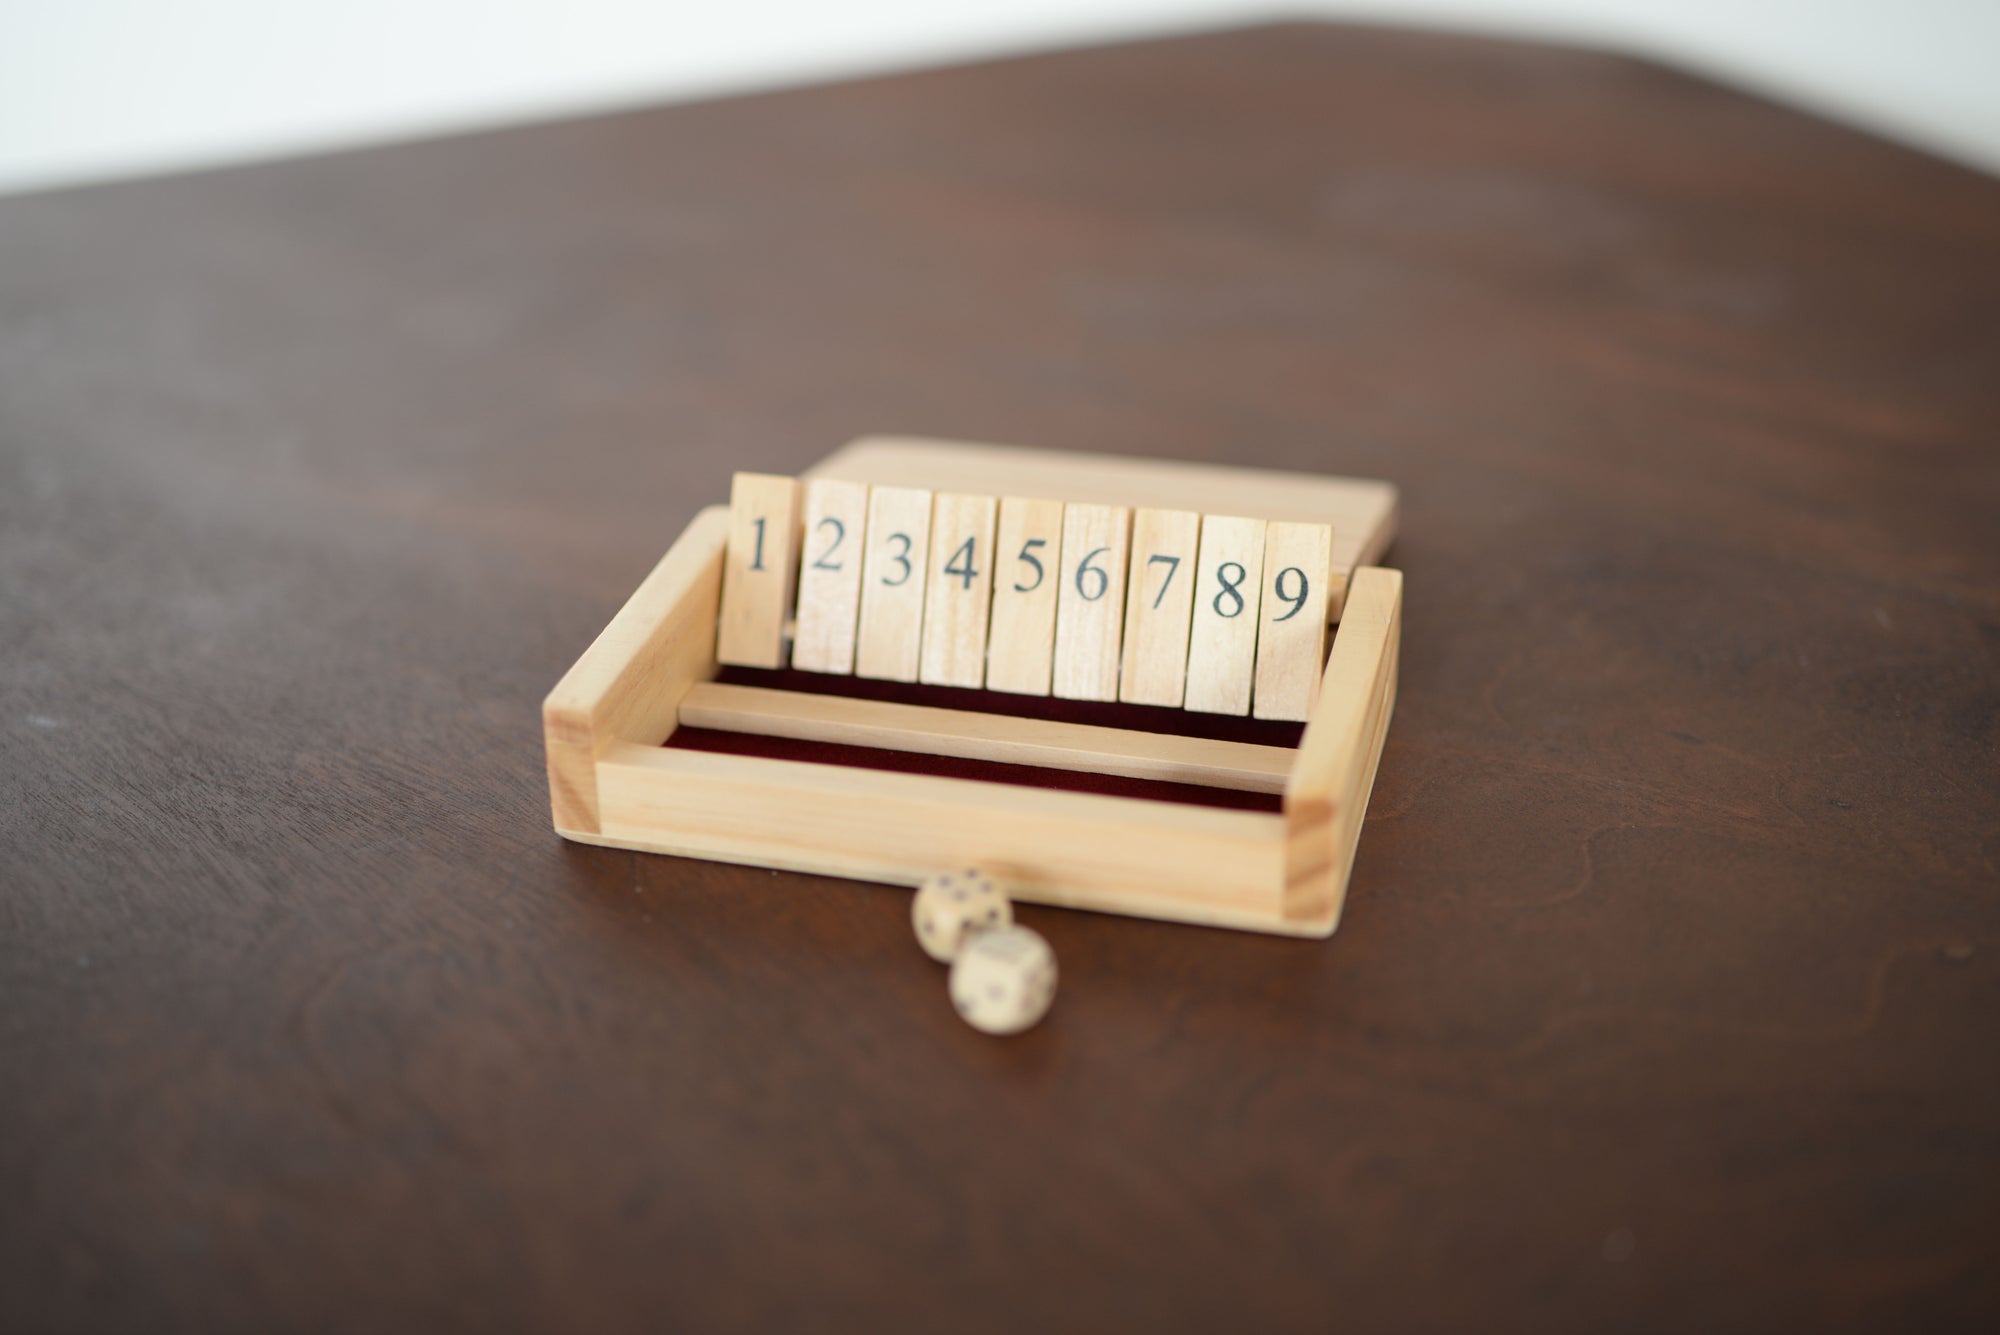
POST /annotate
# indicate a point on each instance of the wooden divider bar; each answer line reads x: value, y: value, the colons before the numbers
x: 1003, y: 739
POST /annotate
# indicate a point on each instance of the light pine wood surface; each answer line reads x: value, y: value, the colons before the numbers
x: 1222, y: 645
x: 830, y: 560
x: 757, y: 577
x: 1080, y: 850
x: 1291, y: 630
x: 972, y: 735
x: 628, y: 684
x: 960, y: 592
x: 1021, y: 644
x: 1090, y: 602
x: 1159, y: 600
x: 1326, y: 794
x: 611, y: 781
x: 1361, y: 511
x: 890, y: 640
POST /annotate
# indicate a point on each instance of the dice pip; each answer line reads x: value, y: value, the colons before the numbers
x: 952, y: 906
x: 1004, y: 980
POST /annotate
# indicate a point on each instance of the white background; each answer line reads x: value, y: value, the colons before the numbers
x: 93, y: 89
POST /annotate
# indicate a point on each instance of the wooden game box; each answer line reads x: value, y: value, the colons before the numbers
x: 823, y: 779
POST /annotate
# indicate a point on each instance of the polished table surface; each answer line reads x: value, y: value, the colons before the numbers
x: 1668, y: 992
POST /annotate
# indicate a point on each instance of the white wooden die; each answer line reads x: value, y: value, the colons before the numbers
x: 1004, y: 980
x: 951, y: 906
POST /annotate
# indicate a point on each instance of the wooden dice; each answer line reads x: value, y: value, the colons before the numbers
x: 1003, y: 977
x: 951, y: 907
x: 1004, y: 980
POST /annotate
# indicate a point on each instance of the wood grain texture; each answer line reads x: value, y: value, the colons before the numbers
x: 959, y: 598
x: 1159, y: 598
x: 830, y: 559
x: 1222, y: 646
x: 887, y: 725
x: 1362, y: 511
x: 628, y: 684
x: 1291, y: 624
x: 1664, y: 992
x: 1090, y: 601
x: 1021, y: 640
x: 759, y: 571
x: 1217, y: 867
x: 1333, y: 773
x: 889, y: 643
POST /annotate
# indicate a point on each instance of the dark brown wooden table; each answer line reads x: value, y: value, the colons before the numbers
x: 1668, y: 994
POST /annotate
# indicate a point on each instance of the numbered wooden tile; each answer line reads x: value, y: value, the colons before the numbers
x: 1222, y: 643
x: 758, y: 570
x: 960, y: 592
x: 1159, y: 600
x: 836, y: 524
x: 1291, y: 628
x: 1020, y: 650
x: 890, y: 639
x: 1090, y: 605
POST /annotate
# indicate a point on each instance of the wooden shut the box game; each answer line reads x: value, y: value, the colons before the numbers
x: 1108, y: 680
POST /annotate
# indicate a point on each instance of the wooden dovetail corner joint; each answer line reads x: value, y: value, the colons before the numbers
x: 614, y: 780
